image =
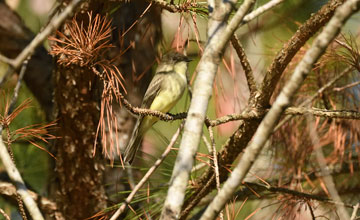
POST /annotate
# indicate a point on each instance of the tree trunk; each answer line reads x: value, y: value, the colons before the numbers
x: 80, y: 178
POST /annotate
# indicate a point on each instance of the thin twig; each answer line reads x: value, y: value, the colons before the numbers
x: 147, y: 175
x: 8, y: 111
x: 328, y: 179
x: 338, y: 89
x: 354, y: 213
x: 198, y: 166
x: 5, y: 59
x: 327, y: 86
x: 21, y: 206
x: 40, y: 37
x: 261, y: 10
x: 344, y: 44
x: 17, y: 86
x: 216, y: 164
x: 4, y: 214
x: 319, y: 92
x: 290, y: 111
x: 207, y: 144
x: 196, y: 7
x: 302, y: 195
x: 344, y: 114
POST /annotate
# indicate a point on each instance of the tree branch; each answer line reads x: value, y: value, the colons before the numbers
x: 246, y: 130
x: 283, y: 100
x: 3, y: 213
x: 179, y: 8
x: 143, y: 111
x: 344, y: 114
x: 354, y: 213
x: 218, y: 35
x: 40, y: 37
x: 216, y: 163
x: 47, y: 206
x: 16, y: 178
x: 302, y: 35
x: 245, y: 64
x: 338, y: 89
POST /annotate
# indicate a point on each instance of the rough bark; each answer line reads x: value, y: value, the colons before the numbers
x: 80, y: 178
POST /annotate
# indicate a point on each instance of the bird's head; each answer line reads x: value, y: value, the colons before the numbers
x: 173, y: 61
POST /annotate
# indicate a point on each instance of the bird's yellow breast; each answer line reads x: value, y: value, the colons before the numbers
x: 170, y: 93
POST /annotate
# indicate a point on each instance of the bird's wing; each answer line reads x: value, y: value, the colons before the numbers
x: 153, y: 89
x: 137, y: 135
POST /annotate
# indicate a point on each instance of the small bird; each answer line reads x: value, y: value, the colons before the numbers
x: 164, y: 91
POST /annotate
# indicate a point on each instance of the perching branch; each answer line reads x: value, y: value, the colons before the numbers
x: 143, y: 111
x: 252, y: 114
x: 249, y: 115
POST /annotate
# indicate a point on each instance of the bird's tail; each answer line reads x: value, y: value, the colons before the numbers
x: 134, y: 143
